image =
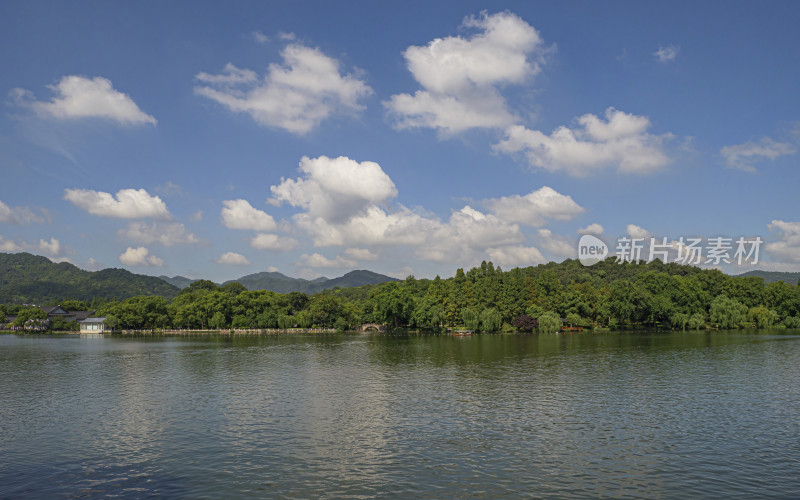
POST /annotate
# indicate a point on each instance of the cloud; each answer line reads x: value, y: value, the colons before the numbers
x: 744, y: 156
x: 9, y: 246
x: 556, y: 244
x: 259, y: 37
x: 361, y: 254
x: 335, y: 188
x: 239, y: 214
x: 52, y: 247
x: 374, y: 226
x: 167, y: 234
x: 666, y: 54
x: 317, y: 260
x: 80, y: 97
x: 635, y: 231
x: 474, y: 229
x: 461, y: 77
x: 18, y: 215
x: 266, y: 241
x: 295, y: 96
x: 594, y: 229
x: 169, y: 189
x: 340, y: 198
x: 535, y: 208
x: 515, y: 256
x: 128, y: 204
x: 788, y: 246
x: 140, y: 257
x: 621, y: 140
x: 232, y: 258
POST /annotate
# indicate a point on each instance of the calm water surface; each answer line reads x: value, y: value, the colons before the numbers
x: 712, y: 415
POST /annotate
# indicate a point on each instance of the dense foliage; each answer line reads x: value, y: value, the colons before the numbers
x: 485, y: 298
x: 534, y: 299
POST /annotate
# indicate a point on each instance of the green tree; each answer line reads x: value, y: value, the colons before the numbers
x: 549, y: 322
x: 680, y: 320
x: 393, y: 304
x: 233, y: 288
x: 491, y: 321
x: 573, y: 319
x: 285, y: 322
x: 470, y: 319
x: 74, y: 305
x: 32, y: 318
x: 762, y: 317
x: 727, y: 313
x: 696, y: 320
x: 217, y: 321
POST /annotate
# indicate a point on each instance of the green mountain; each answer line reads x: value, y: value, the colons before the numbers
x: 178, y: 281
x: 773, y: 276
x: 26, y: 278
x: 281, y: 283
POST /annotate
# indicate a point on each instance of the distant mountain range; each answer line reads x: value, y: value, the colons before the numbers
x: 281, y: 283
x: 772, y: 276
x: 178, y: 281
x: 32, y: 279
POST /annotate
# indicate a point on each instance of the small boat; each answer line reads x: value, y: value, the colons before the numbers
x: 462, y: 333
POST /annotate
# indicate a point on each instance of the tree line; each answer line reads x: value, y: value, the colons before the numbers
x: 608, y: 295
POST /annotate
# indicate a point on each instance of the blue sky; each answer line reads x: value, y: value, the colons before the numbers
x: 215, y: 140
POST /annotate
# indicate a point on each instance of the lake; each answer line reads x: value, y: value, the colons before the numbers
x: 668, y: 415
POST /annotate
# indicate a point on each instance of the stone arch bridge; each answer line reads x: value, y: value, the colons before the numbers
x: 366, y: 327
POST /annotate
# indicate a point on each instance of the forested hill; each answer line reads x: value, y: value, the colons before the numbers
x: 26, y: 278
x: 773, y: 276
x: 280, y: 283
x: 178, y: 281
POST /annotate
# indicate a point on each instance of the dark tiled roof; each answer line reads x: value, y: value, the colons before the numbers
x: 93, y: 320
x: 81, y: 315
x: 53, y: 310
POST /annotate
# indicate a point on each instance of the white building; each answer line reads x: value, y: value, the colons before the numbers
x: 94, y: 325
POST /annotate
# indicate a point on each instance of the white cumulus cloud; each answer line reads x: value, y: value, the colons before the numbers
x: 516, y: 256
x: 335, y: 188
x: 268, y: 241
x: 535, y: 208
x: 239, y: 214
x: 557, y: 245
x: 594, y: 229
x: 52, y: 247
x: 788, y: 244
x: 461, y: 77
x: 745, y: 156
x: 635, y: 231
x: 9, y: 246
x: 621, y: 140
x: 128, y: 203
x: 233, y: 258
x: 81, y: 97
x: 140, y: 256
x: 295, y: 96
